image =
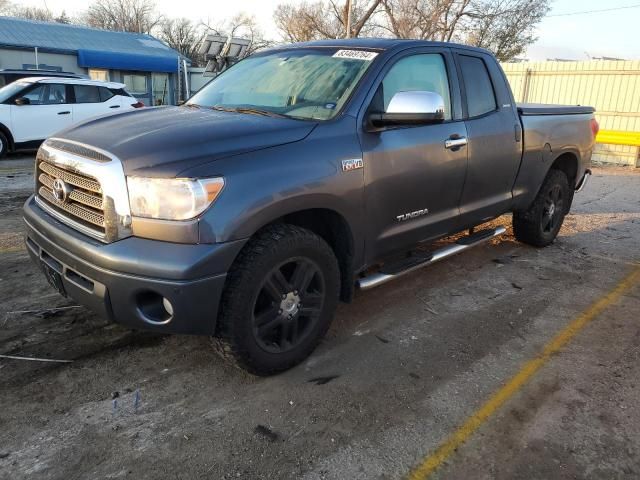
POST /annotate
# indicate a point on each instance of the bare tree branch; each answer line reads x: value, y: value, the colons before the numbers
x: 182, y: 35
x: 138, y: 16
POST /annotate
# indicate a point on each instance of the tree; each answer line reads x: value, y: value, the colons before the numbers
x: 425, y: 19
x: 325, y: 19
x: 182, y: 35
x: 138, y: 16
x: 506, y: 27
x: 4, y: 7
x: 31, y: 13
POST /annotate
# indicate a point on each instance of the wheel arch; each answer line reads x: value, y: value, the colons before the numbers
x: 333, y: 227
x: 567, y: 162
x: 7, y: 133
x: 531, y: 177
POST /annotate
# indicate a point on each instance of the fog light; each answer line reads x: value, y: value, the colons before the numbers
x: 167, y: 306
x: 154, y: 308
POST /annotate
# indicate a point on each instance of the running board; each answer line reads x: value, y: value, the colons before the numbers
x: 396, y: 270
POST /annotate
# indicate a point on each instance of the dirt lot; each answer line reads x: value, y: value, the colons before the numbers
x: 403, y: 366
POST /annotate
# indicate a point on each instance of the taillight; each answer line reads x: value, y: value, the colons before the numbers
x: 595, y: 127
x: 138, y: 104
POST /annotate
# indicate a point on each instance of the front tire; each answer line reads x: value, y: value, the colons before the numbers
x: 4, y: 145
x: 279, y: 300
x: 540, y: 223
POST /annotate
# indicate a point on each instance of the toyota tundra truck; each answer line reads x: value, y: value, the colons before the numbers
x: 297, y: 176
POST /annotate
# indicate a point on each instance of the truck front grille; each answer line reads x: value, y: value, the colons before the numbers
x: 83, y: 203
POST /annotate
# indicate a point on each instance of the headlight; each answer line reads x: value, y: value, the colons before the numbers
x: 172, y: 198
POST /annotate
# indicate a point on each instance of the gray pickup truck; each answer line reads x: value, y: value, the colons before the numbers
x: 295, y: 177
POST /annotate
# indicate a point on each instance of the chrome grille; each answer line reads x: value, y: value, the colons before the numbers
x: 84, y: 203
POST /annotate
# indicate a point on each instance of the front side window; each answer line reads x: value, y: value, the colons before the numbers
x: 423, y: 72
x: 309, y: 83
x: 136, y: 84
x: 86, y: 94
x: 37, y: 95
x: 480, y: 96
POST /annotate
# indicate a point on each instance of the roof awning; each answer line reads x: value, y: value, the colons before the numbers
x: 127, y: 61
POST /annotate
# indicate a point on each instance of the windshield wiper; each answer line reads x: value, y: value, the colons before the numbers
x: 249, y: 110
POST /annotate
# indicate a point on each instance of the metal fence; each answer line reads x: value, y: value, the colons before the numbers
x: 612, y: 87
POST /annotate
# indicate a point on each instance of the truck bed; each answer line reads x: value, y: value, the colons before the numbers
x: 546, y: 109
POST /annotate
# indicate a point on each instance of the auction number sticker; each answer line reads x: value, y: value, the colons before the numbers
x: 356, y: 55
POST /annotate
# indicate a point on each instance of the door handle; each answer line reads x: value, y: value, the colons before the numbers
x: 66, y: 112
x: 114, y: 106
x: 455, y: 142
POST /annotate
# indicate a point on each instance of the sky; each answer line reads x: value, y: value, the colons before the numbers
x: 614, y: 33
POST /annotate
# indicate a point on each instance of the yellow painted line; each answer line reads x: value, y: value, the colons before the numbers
x: 616, y: 137
x: 462, y: 434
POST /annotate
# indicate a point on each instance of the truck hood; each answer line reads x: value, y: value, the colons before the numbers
x: 164, y: 141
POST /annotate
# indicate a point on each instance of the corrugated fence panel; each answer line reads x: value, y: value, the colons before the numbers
x: 612, y: 87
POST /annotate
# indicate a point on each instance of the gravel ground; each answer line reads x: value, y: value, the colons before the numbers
x: 401, y: 368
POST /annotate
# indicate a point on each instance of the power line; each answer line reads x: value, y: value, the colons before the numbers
x: 594, y: 11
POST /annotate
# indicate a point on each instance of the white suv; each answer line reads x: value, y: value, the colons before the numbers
x: 32, y: 109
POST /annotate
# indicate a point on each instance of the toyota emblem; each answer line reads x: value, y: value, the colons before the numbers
x: 61, y: 190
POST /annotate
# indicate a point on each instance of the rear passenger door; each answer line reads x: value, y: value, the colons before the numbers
x: 93, y: 101
x: 493, y: 134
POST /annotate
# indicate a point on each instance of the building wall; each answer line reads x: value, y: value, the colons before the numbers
x: 18, y: 58
x: 612, y: 87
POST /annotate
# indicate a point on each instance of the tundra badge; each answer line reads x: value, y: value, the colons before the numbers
x: 410, y: 215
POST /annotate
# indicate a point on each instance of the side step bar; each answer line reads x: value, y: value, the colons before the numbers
x: 410, y: 264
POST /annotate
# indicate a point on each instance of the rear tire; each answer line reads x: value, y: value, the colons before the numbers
x: 540, y: 223
x: 4, y: 145
x: 279, y: 299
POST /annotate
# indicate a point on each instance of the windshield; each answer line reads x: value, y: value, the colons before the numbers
x: 311, y: 84
x: 10, y: 90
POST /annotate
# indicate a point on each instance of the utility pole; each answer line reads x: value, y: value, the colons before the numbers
x: 348, y: 35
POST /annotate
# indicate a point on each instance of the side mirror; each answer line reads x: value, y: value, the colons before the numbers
x: 22, y: 101
x: 410, y: 108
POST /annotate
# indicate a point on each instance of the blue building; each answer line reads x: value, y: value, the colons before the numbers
x: 150, y: 69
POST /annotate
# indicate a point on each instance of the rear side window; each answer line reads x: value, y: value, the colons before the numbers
x: 105, y: 94
x: 86, y: 94
x: 481, y: 98
x: 120, y: 91
x: 57, y: 93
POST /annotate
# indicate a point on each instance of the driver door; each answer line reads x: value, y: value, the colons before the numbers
x: 47, y: 113
x: 413, y: 176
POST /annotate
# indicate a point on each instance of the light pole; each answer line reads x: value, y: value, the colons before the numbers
x: 348, y: 35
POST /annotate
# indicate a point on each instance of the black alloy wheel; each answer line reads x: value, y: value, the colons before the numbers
x: 288, y: 305
x: 553, y: 210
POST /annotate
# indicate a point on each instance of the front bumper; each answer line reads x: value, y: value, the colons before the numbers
x: 124, y: 281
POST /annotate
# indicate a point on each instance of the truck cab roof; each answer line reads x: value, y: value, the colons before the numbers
x: 381, y: 44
